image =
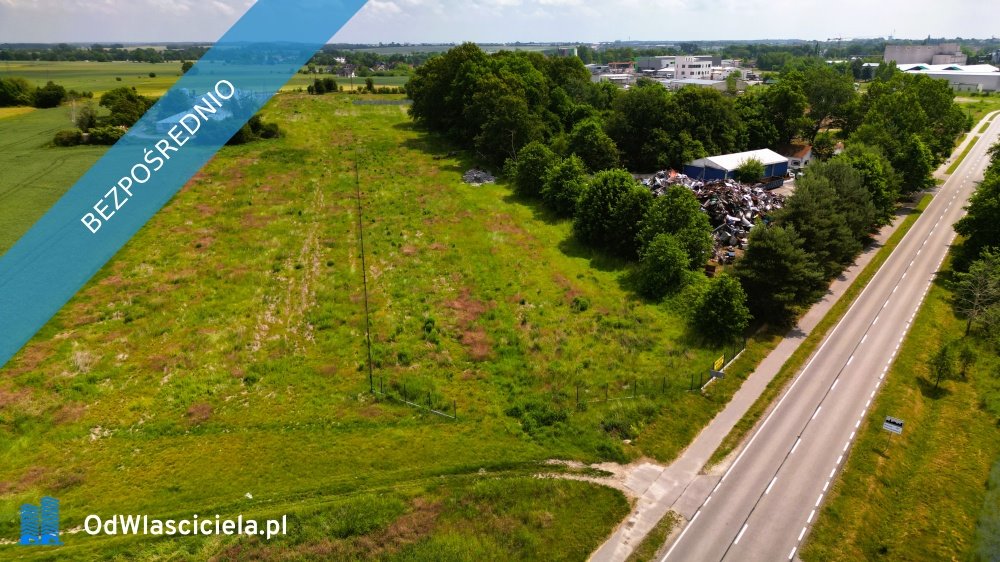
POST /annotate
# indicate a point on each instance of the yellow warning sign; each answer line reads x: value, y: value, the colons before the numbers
x: 720, y: 362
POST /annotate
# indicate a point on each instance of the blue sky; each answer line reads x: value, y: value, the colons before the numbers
x: 513, y: 20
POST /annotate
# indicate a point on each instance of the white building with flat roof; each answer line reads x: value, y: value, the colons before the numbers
x: 965, y: 78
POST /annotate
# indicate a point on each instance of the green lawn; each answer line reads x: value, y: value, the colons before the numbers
x: 222, y: 353
x: 979, y: 107
x: 919, y: 496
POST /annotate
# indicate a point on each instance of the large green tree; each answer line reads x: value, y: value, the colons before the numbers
x: 678, y: 213
x: 877, y: 176
x: 639, y: 124
x: 661, y: 267
x: 15, y: 91
x: 785, y: 105
x: 854, y: 201
x: 564, y: 183
x: 589, y: 141
x: 528, y: 170
x: 610, y: 211
x: 777, y: 273
x: 814, y: 211
x: 981, y: 224
x: 721, y: 314
x: 829, y: 93
x: 126, y: 106
x: 978, y: 289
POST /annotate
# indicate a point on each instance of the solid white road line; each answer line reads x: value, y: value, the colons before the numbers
x: 740, y: 536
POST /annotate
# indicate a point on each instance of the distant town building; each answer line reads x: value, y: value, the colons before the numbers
x: 622, y: 67
x: 654, y: 63
x: 678, y: 83
x: 566, y: 51
x: 692, y: 67
x: 945, y: 53
x: 963, y: 78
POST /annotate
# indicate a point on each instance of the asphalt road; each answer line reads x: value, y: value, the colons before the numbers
x: 766, y: 502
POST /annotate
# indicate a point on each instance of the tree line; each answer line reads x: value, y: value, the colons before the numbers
x: 16, y: 91
x: 568, y: 141
x: 100, y: 53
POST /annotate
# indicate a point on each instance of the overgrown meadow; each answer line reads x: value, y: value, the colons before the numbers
x: 218, y: 364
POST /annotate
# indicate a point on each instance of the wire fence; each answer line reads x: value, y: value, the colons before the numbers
x: 416, y: 396
x: 423, y: 396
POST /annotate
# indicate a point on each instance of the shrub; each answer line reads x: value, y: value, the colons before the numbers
x: 50, y: 95
x: 535, y: 414
x: 15, y: 91
x: 610, y: 212
x: 750, y: 171
x: 530, y: 167
x: 106, y: 135
x: 721, y: 313
x: 86, y: 118
x: 662, y: 267
x: 69, y: 137
x: 270, y: 131
x: 563, y: 186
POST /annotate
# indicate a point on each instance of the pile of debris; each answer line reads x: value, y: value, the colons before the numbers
x: 732, y: 207
x: 478, y: 177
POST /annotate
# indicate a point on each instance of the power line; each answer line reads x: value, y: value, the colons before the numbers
x: 364, y: 274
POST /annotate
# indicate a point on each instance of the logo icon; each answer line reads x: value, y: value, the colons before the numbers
x: 40, y: 523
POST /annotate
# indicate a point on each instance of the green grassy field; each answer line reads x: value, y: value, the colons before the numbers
x: 919, y: 496
x: 35, y: 174
x: 222, y: 353
x: 979, y: 107
x: 99, y: 77
x: 305, y: 80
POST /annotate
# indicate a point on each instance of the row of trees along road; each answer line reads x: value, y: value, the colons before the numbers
x: 568, y: 141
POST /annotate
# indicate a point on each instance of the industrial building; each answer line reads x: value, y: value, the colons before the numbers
x: 963, y: 78
x: 945, y: 53
x: 722, y: 167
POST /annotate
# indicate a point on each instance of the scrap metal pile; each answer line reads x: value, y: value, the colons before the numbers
x: 732, y: 207
x: 477, y: 177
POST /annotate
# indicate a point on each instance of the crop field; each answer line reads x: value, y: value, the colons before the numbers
x: 34, y: 174
x: 99, y: 77
x: 218, y: 363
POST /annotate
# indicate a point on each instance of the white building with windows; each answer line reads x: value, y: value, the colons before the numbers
x: 692, y: 67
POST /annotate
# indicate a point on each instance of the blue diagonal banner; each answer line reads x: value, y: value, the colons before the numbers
x: 157, y: 156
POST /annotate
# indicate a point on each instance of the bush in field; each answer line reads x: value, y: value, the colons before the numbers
x: 721, y: 314
x: 105, y: 135
x: 610, y: 212
x: 662, y: 267
x: 15, y: 91
x: 86, y: 117
x: 530, y: 167
x: 50, y: 95
x: 564, y: 183
x: 535, y: 414
x: 69, y: 137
